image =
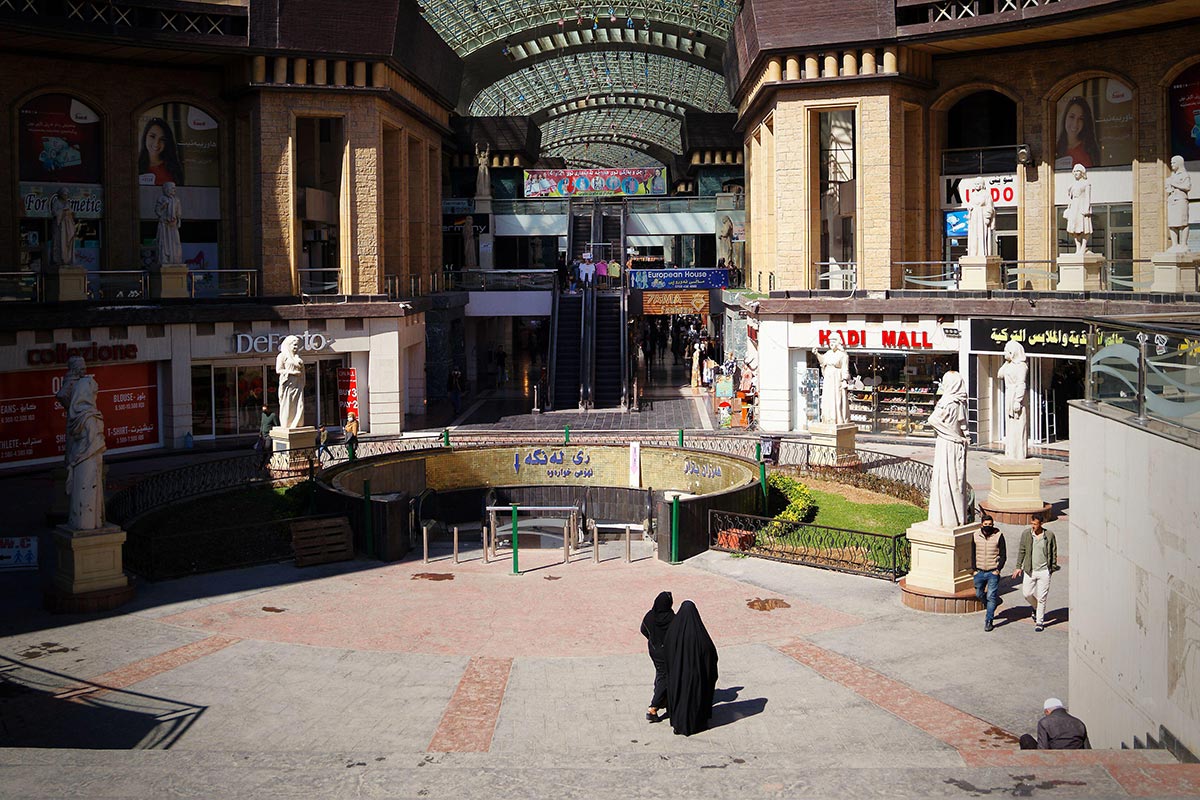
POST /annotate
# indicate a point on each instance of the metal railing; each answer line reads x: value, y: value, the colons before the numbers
x: 159, y: 555
x: 972, y: 161
x: 671, y: 205
x: 121, y: 286
x: 553, y: 207
x: 325, y: 280
x: 876, y: 555
x: 1022, y: 275
x: 21, y: 286
x: 1146, y: 366
x: 1121, y: 275
x: 920, y: 274
x: 835, y: 275
x: 212, y: 283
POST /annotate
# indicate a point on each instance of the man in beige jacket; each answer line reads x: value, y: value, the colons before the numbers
x: 988, y: 555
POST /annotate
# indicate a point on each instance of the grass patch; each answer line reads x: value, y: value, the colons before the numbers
x: 835, y: 511
x: 240, y: 507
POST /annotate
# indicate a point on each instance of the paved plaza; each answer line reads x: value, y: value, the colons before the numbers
x: 365, y: 679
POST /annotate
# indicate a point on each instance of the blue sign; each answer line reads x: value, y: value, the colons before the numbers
x: 679, y: 278
x: 956, y: 222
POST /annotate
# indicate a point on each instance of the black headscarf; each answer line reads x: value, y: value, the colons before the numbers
x: 655, y: 623
x: 691, y: 671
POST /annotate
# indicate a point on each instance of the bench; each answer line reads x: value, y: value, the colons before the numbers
x: 322, y: 541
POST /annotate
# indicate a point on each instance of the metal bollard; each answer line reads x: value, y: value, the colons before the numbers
x: 484, y: 536
x: 425, y: 544
x: 628, y: 555
x: 566, y: 541
x: 455, y: 544
x: 595, y: 543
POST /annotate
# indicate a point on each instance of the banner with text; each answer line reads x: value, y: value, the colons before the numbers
x: 595, y: 182
x: 679, y: 278
x: 664, y: 303
x: 34, y: 425
x: 347, y: 380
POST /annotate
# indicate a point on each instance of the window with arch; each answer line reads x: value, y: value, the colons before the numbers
x: 1183, y: 111
x: 60, y: 182
x: 1094, y: 125
x: 180, y: 143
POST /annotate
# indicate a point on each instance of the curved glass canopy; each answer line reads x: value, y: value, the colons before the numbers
x: 601, y: 154
x: 649, y: 126
x: 468, y: 25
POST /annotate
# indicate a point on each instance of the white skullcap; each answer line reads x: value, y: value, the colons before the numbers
x: 1052, y: 703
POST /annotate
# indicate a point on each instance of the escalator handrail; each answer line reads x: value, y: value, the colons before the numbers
x: 552, y: 367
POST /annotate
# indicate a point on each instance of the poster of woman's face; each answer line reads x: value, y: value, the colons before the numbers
x: 1095, y: 125
x: 178, y: 143
x: 1183, y: 101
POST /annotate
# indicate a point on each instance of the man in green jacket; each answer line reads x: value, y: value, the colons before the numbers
x: 1037, y: 560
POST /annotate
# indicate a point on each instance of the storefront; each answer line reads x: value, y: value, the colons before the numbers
x: 1056, y: 351
x: 895, y: 365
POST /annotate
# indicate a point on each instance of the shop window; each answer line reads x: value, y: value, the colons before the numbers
x: 1112, y: 235
x: 981, y: 135
x: 837, y: 167
x: 60, y: 158
x: 1095, y: 125
x: 181, y: 144
x: 1183, y: 103
x: 202, y: 405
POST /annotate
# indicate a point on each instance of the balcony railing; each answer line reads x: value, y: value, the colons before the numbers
x: 929, y: 274
x: 493, y: 280
x: 119, y: 286
x: 1147, y: 367
x: 839, y: 276
x: 215, y: 283
x: 671, y: 205
x: 980, y: 160
x: 319, y: 281
x: 530, y: 207
x: 21, y: 286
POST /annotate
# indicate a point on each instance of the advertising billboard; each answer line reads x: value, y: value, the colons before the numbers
x: 595, y: 182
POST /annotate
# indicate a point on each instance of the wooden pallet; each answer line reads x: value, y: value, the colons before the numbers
x: 322, y: 541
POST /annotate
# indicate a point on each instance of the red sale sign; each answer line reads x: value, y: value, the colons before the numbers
x: 347, y: 380
x: 33, y: 425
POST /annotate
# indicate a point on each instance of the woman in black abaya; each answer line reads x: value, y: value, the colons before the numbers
x: 654, y: 628
x: 691, y: 671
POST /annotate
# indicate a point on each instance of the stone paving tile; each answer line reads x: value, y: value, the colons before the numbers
x: 470, y: 718
x: 138, y: 671
x: 485, y: 610
x: 1158, y: 780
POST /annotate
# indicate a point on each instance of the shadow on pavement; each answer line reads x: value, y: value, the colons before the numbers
x: 729, y: 713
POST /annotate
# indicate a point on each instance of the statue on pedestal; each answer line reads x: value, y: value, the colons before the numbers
x: 1015, y: 374
x: 169, y: 210
x: 1179, y: 184
x: 948, y: 487
x: 85, y: 452
x: 1079, y: 209
x: 62, y: 230
x: 290, y: 368
x: 835, y: 374
x: 483, y: 184
x: 981, y: 220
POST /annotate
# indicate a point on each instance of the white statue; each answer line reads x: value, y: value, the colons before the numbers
x: 1179, y: 184
x: 1079, y: 209
x: 85, y: 453
x: 835, y: 372
x: 948, y: 488
x: 1015, y: 374
x: 483, y: 184
x: 62, y: 234
x: 981, y: 220
x: 725, y: 242
x: 290, y: 368
x: 169, y: 212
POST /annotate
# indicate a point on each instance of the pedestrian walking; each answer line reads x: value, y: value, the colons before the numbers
x: 322, y: 443
x: 1037, y: 560
x: 351, y: 431
x: 266, y: 421
x: 654, y: 628
x: 988, y: 555
x: 691, y: 671
x: 454, y: 385
x: 501, y: 363
x: 1057, y: 730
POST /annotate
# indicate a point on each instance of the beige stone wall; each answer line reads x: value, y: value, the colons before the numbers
x: 901, y: 131
x: 389, y: 190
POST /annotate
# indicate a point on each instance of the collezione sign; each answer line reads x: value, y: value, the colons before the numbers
x: 899, y: 339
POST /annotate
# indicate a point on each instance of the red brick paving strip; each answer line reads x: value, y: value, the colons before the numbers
x: 470, y: 718
x: 1157, y: 780
x: 138, y: 671
x: 946, y: 723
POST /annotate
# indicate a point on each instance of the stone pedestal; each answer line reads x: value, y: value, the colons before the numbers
x: 68, y: 284
x: 1079, y: 272
x: 1016, y: 490
x: 89, y: 561
x: 57, y: 512
x: 839, y: 436
x: 941, y: 557
x: 979, y: 273
x: 291, y: 448
x: 169, y: 280
x: 487, y: 241
x: 1174, y: 272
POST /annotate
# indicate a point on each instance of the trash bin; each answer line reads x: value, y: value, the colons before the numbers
x: 770, y: 448
x: 392, y: 536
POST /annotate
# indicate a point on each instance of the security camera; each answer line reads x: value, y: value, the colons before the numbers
x: 1024, y: 155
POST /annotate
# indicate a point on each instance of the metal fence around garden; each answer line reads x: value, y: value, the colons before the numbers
x: 876, y: 555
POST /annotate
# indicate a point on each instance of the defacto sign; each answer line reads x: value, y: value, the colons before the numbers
x: 244, y: 343
x: 91, y: 353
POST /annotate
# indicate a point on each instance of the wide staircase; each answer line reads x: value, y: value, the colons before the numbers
x: 610, y: 362
x: 567, y: 358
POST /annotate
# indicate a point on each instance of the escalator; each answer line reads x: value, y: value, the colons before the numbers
x: 609, y: 359
x: 566, y: 357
